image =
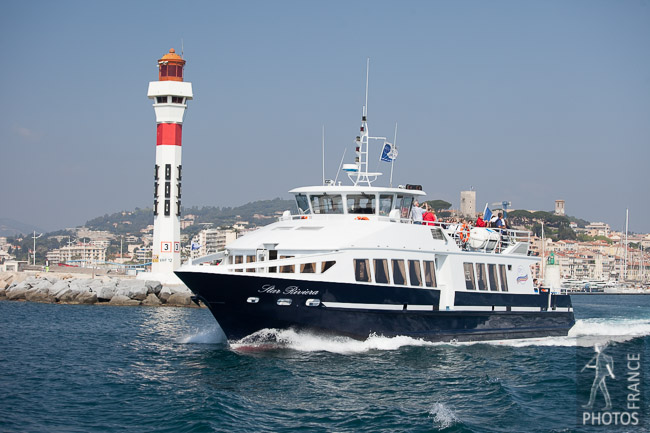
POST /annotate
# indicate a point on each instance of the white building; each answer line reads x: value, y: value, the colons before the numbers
x: 212, y: 240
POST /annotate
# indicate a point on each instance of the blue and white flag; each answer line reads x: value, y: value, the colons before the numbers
x: 389, y: 153
x: 487, y: 213
x: 195, y: 246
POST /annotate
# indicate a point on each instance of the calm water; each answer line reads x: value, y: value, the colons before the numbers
x: 66, y: 368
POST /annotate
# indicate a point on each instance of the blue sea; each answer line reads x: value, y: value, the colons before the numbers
x: 74, y: 368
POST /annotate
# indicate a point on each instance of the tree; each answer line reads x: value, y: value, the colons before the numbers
x: 438, y: 205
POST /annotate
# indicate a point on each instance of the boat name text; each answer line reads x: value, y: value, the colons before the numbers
x: 290, y: 290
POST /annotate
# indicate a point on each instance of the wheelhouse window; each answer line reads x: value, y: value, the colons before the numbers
x: 385, y: 204
x: 492, y: 276
x: 469, y: 276
x: 381, y: 271
x: 430, y: 274
x: 414, y: 273
x: 273, y: 255
x: 504, y: 280
x: 303, y: 204
x: 481, y: 277
x: 362, y: 270
x: 399, y: 272
x: 361, y: 204
x: 327, y: 204
x: 404, y: 205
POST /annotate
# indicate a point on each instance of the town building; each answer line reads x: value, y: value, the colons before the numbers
x: 209, y: 241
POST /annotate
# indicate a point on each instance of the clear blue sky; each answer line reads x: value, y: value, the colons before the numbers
x: 527, y: 101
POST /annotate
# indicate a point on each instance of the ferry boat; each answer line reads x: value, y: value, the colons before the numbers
x: 350, y: 261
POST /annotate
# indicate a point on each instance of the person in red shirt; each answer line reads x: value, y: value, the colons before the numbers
x: 429, y: 216
x: 480, y: 222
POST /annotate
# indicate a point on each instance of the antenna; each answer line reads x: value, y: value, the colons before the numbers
x: 182, y: 48
x: 365, y: 107
x: 323, y: 145
x: 340, y: 165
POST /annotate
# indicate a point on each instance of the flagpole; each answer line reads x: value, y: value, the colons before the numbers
x: 392, y: 162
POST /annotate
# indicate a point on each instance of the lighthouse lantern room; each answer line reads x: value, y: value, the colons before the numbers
x: 170, y: 95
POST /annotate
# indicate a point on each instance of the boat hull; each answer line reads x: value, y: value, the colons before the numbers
x: 360, y: 310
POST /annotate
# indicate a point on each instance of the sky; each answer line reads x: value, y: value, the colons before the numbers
x: 525, y: 101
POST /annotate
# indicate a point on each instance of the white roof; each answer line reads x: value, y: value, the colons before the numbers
x: 341, y: 189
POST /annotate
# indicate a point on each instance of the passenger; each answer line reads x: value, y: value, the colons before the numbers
x: 429, y: 217
x: 417, y: 213
x: 480, y: 222
x: 500, y: 222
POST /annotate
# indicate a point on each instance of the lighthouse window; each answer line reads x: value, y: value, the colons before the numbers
x: 155, y: 173
x: 177, y: 100
x: 469, y: 276
x: 492, y: 276
x: 362, y: 270
x: 399, y: 272
x: 430, y: 274
x: 167, y: 208
x: 161, y: 99
x: 168, y: 171
x: 155, y: 189
x: 381, y: 271
x: 163, y: 70
x: 385, y: 204
x: 327, y: 204
x: 414, y: 273
x: 502, y: 275
x: 168, y: 190
x: 361, y: 204
x: 481, y: 278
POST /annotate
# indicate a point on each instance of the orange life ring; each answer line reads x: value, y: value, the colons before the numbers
x: 362, y: 218
x: 464, y: 233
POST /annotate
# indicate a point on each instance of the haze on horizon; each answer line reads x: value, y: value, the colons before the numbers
x: 523, y: 101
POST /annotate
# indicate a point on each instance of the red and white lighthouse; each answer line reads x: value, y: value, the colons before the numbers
x: 170, y: 95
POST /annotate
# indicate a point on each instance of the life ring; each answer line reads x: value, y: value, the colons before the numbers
x: 362, y: 218
x: 464, y: 233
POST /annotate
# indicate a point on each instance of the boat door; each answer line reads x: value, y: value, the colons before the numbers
x: 266, y: 253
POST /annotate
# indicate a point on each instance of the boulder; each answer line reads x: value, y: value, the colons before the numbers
x: 43, y: 283
x: 3, y: 284
x: 153, y: 287
x: 123, y: 300
x: 68, y: 295
x: 180, y: 299
x: 39, y: 295
x: 16, y: 293
x: 164, y: 294
x: 3, y: 293
x: 151, y: 300
x: 86, y: 298
x: 106, y: 291
x: 57, y: 287
x: 134, y: 289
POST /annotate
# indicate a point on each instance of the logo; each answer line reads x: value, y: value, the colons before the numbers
x: 522, y: 275
x: 610, y: 385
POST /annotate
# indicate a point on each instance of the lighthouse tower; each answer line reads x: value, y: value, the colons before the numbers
x: 170, y: 95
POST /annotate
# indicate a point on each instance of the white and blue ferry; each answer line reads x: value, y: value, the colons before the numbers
x: 351, y: 261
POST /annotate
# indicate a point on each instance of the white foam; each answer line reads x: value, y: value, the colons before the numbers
x: 210, y: 336
x: 443, y: 417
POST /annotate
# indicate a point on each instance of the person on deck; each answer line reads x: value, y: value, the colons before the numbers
x: 480, y: 222
x: 429, y: 217
x: 500, y: 223
x: 417, y: 213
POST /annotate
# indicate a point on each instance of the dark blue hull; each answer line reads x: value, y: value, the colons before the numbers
x: 226, y: 295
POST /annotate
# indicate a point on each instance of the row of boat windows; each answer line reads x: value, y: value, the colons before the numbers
x: 303, y: 268
x: 363, y: 204
x: 476, y: 277
x: 396, y: 272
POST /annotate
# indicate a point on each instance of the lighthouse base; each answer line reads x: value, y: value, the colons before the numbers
x: 165, y: 278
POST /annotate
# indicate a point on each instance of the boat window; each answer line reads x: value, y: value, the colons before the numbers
x: 326, y: 204
x: 414, y: 273
x: 404, y: 205
x: 385, y: 204
x: 361, y: 203
x: 308, y: 268
x: 361, y: 270
x: 303, y: 204
x: 326, y: 265
x: 399, y: 272
x: 502, y: 275
x: 469, y: 276
x: 273, y: 255
x: 492, y: 276
x: 287, y: 269
x: 250, y: 259
x: 430, y: 274
x: 481, y: 278
x: 381, y: 271
x: 239, y: 260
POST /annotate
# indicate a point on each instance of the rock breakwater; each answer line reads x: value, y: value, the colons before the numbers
x: 69, y: 289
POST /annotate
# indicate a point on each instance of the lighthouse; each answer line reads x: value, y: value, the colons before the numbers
x: 170, y: 95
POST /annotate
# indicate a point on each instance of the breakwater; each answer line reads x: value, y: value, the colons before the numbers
x: 71, y: 289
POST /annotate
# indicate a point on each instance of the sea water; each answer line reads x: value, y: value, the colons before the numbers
x: 74, y: 368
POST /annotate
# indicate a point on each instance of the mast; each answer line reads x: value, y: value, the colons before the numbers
x: 627, y: 215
